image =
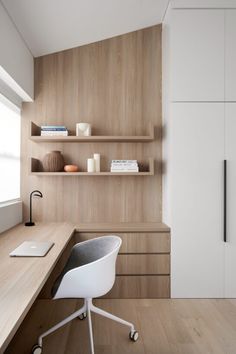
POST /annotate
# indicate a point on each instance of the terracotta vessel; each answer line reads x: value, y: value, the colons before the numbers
x: 71, y: 168
x: 53, y: 162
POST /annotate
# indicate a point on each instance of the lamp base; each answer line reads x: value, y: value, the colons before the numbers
x: 29, y: 223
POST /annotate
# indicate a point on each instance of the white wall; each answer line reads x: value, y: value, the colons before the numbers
x: 17, y: 85
x: 16, y: 61
x: 10, y: 215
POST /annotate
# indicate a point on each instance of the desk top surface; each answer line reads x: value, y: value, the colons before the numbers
x: 22, y: 278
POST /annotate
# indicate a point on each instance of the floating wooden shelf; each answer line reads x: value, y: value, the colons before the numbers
x: 36, y: 137
x: 35, y: 166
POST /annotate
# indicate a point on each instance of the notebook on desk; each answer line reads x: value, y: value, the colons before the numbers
x: 32, y: 249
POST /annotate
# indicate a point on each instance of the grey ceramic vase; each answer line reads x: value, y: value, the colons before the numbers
x: 53, y: 162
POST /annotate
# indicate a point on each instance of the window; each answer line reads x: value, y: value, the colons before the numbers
x: 9, y: 152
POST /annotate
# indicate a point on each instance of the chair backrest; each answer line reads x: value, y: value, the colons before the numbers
x: 90, y: 270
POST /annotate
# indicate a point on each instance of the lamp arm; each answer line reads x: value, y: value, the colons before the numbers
x: 35, y: 193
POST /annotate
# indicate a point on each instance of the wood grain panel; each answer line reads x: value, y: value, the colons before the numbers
x: 140, y: 286
x: 115, y: 85
x: 135, y: 242
x: 143, y: 264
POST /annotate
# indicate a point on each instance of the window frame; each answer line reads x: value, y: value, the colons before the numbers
x: 5, y: 101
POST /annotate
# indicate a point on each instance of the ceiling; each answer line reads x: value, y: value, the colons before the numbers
x: 49, y: 26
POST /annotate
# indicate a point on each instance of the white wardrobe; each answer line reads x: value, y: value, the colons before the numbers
x: 199, y: 114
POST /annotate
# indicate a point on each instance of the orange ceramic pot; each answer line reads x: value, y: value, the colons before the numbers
x: 71, y: 168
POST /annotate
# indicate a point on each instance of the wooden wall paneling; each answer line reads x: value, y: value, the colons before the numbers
x: 115, y: 85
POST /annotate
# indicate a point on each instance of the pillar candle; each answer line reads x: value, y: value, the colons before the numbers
x: 97, y: 162
x: 90, y: 165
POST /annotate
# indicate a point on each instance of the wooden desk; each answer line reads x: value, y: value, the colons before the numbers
x: 21, y: 279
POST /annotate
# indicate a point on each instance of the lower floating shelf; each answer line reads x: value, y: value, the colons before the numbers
x: 35, y: 171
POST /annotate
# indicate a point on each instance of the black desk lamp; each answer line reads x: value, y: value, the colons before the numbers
x: 35, y: 193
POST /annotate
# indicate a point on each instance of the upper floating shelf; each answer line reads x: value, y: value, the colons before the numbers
x: 36, y: 137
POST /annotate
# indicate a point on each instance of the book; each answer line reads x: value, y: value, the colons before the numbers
x: 134, y: 170
x: 124, y: 167
x: 124, y: 164
x: 124, y: 161
x: 46, y: 127
x: 54, y: 133
x: 53, y: 129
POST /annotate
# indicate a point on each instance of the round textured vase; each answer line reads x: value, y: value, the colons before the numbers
x: 53, y: 162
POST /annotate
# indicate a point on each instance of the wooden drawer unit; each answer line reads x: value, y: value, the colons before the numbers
x: 143, y: 263
x: 150, y: 242
x: 140, y: 287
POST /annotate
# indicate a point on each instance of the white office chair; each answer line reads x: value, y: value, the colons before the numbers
x: 89, y: 273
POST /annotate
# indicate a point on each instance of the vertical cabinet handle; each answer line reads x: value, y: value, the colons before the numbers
x: 225, y: 200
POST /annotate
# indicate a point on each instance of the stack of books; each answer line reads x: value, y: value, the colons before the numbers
x: 54, y: 130
x: 124, y: 166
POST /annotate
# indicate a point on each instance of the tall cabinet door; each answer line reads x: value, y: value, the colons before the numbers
x: 230, y: 245
x: 197, y: 153
x: 230, y: 55
x: 197, y: 55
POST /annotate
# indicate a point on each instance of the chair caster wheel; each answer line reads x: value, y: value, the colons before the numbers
x: 82, y: 316
x: 133, y: 336
x: 37, y: 349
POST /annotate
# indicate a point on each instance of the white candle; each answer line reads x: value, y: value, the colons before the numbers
x: 97, y: 162
x: 90, y: 165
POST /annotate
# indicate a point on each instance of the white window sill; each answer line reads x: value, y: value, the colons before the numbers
x: 10, y: 214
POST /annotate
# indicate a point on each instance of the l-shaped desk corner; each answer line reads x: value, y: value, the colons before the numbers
x: 23, y: 279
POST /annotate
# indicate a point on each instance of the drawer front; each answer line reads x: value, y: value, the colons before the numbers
x: 138, y: 287
x: 143, y: 264
x: 136, y: 242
